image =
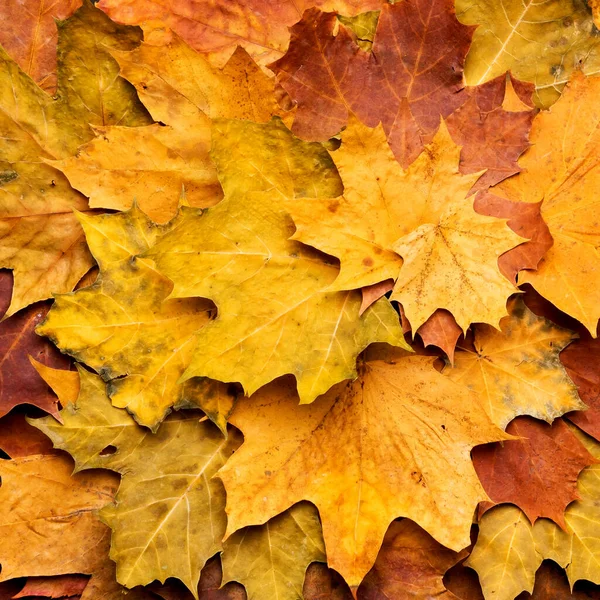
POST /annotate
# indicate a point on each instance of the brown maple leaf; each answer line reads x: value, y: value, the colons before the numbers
x: 537, y: 472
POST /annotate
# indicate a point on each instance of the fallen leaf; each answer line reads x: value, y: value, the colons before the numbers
x: 244, y: 243
x: 581, y: 360
x: 54, y: 587
x: 41, y: 239
x: 167, y: 498
x: 560, y: 168
x: 322, y: 583
x: 216, y: 28
x: 271, y: 560
x: 124, y: 327
x: 372, y: 293
x: 525, y: 220
x: 18, y: 438
x: 363, y: 26
x: 517, y: 370
x: 509, y: 549
x: 441, y: 330
x: 29, y: 36
x: 65, y: 384
x: 541, y: 43
x: 450, y: 252
x: 537, y: 472
x: 19, y: 382
x: 410, y: 564
x: 411, y: 453
x: 55, y: 530
x: 491, y: 137
x: 153, y: 164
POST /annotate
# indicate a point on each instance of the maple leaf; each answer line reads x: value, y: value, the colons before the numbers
x: 218, y: 27
x: 166, y: 498
x: 322, y: 583
x: 41, y: 239
x: 243, y: 242
x: 152, y: 164
x: 271, y: 560
x: 30, y: 36
x: 561, y: 169
x: 542, y: 43
x: 581, y: 360
x: 54, y: 587
x: 19, y: 439
x: 124, y: 327
x: 421, y: 81
x: 517, y: 370
x: 19, y: 383
x: 54, y: 531
x: 509, y: 549
x: 537, y: 472
x: 411, y: 451
x: 410, y: 564
x: 450, y: 252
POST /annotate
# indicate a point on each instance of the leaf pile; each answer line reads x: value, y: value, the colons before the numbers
x: 300, y: 300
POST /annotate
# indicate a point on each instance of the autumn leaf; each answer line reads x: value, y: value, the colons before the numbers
x: 509, y: 549
x: 517, y: 370
x: 450, y: 252
x: 166, y: 498
x: 581, y: 360
x: 55, y: 530
x: 322, y: 583
x: 19, y: 382
x: 217, y: 28
x: 271, y: 560
x: 410, y: 564
x: 537, y: 472
x: 243, y: 242
x: 54, y: 587
x: 564, y: 141
x: 19, y: 439
x: 125, y: 328
x: 153, y: 164
x: 543, y: 43
x: 411, y: 454
x: 31, y: 41
x: 41, y: 239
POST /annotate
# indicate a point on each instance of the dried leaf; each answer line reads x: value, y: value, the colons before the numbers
x: 537, y: 472
x: 561, y: 169
x: 271, y: 560
x: 322, y: 583
x: 54, y: 587
x: 542, y: 43
x: 421, y: 449
x: 124, y: 327
x: 410, y: 564
x: 167, y: 498
x: 517, y: 371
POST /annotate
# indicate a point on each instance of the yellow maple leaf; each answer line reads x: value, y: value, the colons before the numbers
x: 517, y: 371
x: 562, y: 169
x: 395, y: 442
x: 416, y: 226
x: 124, y: 327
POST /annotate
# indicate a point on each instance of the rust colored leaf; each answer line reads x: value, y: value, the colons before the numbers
x: 372, y: 293
x: 412, y: 77
x: 463, y: 582
x: 29, y: 35
x: 582, y: 362
x: 441, y: 330
x: 537, y: 472
x: 322, y: 583
x: 18, y: 438
x: 524, y: 219
x: 551, y: 583
x: 54, y: 587
x: 491, y: 136
x: 218, y: 26
x: 410, y: 564
x: 19, y: 382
